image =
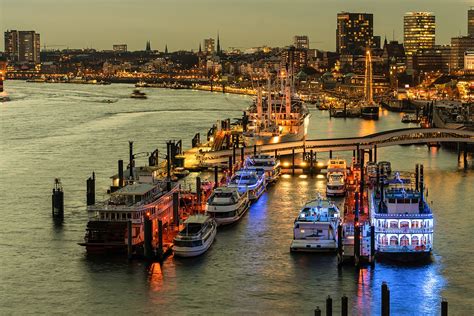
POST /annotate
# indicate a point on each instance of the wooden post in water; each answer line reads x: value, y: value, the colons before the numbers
x: 57, y: 200
x: 293, y: 161
x: 231, y: 166
x: 129, y: 240
x: 148, y: 236
x: 199, y: 191
x: 120, y: 174
x: 465, y: 156
x: 444, y: 307
x: 159, y: 250
x: 344, y: 306
x: 176, y: 209
x: 234, y: 154
x: 339, y: 245
x: 216, y: 177
x: 311, y: 162
x: 90, y: 195
x: 372, y: 245
x: 329, y: 306
x: 375, y: 153
x: 317, y: 311
x: 385, y: 300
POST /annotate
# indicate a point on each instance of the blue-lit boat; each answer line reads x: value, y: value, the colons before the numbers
x: 269, y: 164
x: 251, y: 181
x: 315, y: 228
x: 402, y: 218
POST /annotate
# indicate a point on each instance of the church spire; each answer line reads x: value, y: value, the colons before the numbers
x: 218, y: 44
x: 166, y: 49
x: 200, y: 50
x: 148, y: 46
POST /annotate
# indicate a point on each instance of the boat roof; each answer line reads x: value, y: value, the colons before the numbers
x: 198, y: 219
x: 226, y: 190
x: 137, y: 170
x: 135, y: 189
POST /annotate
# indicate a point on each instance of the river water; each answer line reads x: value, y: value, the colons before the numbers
x: 61, y: 130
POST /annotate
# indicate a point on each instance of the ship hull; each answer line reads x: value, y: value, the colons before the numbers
x: 404, y: 257
x: 268, y: 139
x: 370, y: 112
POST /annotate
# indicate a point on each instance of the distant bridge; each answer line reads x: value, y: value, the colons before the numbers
x: 405, y: 136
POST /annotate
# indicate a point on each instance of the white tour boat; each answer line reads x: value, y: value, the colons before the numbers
x: 196, y: 237
x: 315, y: 228
x: 269, y: 164
x: 336, y: 177
x: 402, y: 218
x: 227, y: 205
x: 251, y: 181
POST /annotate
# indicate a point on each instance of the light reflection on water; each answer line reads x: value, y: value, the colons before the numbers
x: 60, y: 130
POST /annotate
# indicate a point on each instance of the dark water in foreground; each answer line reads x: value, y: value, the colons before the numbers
x: 56, y: 130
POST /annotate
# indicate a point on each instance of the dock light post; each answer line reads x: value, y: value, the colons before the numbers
x: 293, y: 161
x: 120, y: 173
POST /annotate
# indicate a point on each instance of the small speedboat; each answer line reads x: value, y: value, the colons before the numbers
x: 227, y: 205
x: 137, y: 94
x: 196, y: 237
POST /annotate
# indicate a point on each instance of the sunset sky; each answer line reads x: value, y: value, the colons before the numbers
x: 182, y: 24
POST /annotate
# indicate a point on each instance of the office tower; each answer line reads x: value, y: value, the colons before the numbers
x: 301, y: 41
x: 419, y: 31
x: 22, y: 46
x: 470, y: 22
x: 209, y: 47
x: 460, y: 45
x: 354, y: 32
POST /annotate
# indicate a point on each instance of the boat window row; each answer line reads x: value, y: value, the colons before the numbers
x: 404, y: 224
x: 222, y: 214
x: 403, y: 201
x: 404, y: 240
x: 116, y: 216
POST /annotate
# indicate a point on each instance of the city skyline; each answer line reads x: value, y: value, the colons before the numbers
x: 272, y: 23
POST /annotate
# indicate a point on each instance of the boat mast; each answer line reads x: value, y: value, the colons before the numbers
x: 287, y: 95
x: 368, y: 92
x: 269, y: 97
x: 259, y: 104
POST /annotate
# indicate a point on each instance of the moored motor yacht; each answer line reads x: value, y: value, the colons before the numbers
x: 315, y: 228
x: 269, y: 164
x: 196, y: 237
x: 251, y: 181
x: 137, y: 94
x: 227, y: 205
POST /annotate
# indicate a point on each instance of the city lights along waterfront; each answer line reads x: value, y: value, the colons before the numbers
x: 66, y: 131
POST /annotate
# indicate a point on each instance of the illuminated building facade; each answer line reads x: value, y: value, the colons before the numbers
x: 460, y: 45
x: 120, y: 48
x: 301, y: 41
x: 419, y: 31
x: 355, y: 32
x: 22, y: 46
x: 209, y: 45
x: 296, y: 58
x: 469, y: 61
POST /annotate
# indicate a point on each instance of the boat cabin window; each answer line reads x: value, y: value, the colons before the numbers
x: 393, y: 241
x: 188, y: 243
x: 393, y: 224
x: 404, y: 241
x: 404, y: 224
x: 191, y: 229
x: 415, y: 241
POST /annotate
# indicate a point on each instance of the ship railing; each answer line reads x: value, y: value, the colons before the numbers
x: 388, y: 230
x: 405, y: 248
x: 403, y: 215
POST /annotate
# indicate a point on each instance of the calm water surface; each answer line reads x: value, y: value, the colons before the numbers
x: 60, y: 130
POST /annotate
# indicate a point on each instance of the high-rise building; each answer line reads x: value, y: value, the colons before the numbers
x: 470, y: 22
x: 354, y: 32
x: 209, y: 47
x: 11, y: 45
x: 295, y: 58
x: 460, y: 45
x: 22, y: 46
x: 469, y: 61
x: 301, y: 41
x: 419, y: 31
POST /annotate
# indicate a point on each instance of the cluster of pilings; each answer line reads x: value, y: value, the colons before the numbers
x: 57, y: 200
x: 384, y: 307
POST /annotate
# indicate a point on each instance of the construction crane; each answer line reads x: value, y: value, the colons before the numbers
x: 45, y: 46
